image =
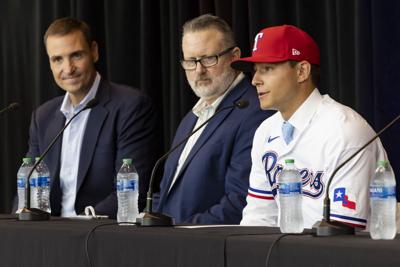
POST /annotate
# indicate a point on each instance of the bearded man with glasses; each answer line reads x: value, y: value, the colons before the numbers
x: 205, y: 180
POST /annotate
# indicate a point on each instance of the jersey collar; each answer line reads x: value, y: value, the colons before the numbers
x: 304, y: 114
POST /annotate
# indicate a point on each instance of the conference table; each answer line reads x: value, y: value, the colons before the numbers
x: 70, y: 242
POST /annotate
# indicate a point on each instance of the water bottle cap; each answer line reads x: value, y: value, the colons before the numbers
x: 27, y: 160
x: 383, y: 163
x: 127, y: 161
x: 287, y: 161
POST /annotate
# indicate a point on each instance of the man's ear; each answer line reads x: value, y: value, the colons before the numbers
x: 94, y: 49
x: 236, y: 53
x: 303, y: 71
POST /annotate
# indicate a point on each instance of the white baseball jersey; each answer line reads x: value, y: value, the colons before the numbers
x: 326, y: 133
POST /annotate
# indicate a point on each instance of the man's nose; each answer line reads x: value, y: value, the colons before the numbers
x: 256, y: 81
x: 200, y: 68
x: 68, y: 67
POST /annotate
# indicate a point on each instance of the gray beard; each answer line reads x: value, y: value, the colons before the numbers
x: 218, y: 86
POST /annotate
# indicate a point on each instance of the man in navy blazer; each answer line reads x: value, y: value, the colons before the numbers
x: 84, y: 162
x: 205, y: 180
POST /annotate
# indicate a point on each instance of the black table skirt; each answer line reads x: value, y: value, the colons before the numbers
x: 61, y: 242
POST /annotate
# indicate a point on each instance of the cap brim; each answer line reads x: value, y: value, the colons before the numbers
x: 243, y: 65
x: 247, y: 63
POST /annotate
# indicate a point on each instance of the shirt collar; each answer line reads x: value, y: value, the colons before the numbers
x: 66, y: 107
x: 306, y: 111
x: 202, y: 105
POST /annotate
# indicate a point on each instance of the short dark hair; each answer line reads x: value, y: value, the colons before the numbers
x: 315, y: 72
x: 67, y: 25
x: 208, y: 21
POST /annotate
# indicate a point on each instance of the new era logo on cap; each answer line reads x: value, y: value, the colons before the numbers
x: 295, y: 52
x: 278, y: 44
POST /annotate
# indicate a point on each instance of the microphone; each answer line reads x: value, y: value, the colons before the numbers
x: 326, y: 227
x: 33, y: 214
x: 242, y: 104
x: 10, y: 107
x: 151, y: 218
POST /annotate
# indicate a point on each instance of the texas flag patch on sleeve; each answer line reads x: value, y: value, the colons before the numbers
x: 339, y: 195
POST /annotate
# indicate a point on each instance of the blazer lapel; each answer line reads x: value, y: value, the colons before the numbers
x: 53, y: 157
x: 204, y: 137
x: 94, y: 124
x: 213, y: 124
x: 187, y: 128
x: 53, y: 161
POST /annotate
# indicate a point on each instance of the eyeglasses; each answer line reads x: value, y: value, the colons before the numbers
x: 206, y: 62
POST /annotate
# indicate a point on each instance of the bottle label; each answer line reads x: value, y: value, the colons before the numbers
x: 21, y: 182
x: 33, y: 182
x: 43, y: 181
x: 290, y: 188
x: 126, y: 185
x: 382, y: 192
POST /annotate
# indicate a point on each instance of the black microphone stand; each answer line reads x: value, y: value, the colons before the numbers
x: 326, y: 227
x: 151, y: 218
x: 34, y: 214
x: 12, y: 106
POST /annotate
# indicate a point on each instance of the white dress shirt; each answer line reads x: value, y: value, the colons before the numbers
x: 71, y: 148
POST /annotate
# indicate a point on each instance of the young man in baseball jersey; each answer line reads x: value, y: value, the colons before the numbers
x: 313, y: 129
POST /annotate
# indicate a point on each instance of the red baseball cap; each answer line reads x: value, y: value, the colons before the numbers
x: 278, y: 44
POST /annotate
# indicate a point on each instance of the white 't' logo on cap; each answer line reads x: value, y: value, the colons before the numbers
x: 258, y: 36
x: 295, y: 52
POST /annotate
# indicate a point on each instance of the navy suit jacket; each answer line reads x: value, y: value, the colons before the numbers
x: 122, y: 125
x: 212, y: 185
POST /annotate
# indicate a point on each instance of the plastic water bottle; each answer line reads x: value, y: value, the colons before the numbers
x: 22, y: 174
x: 127, y: 192
x: 383, y: 202
x: 33, y: 182
x: 290, y: 199
x: 40, y: 187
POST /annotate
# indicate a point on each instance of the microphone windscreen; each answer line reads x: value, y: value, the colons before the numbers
x: 242, y: 104
x: 92, y: 103
x: 13, y: 106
